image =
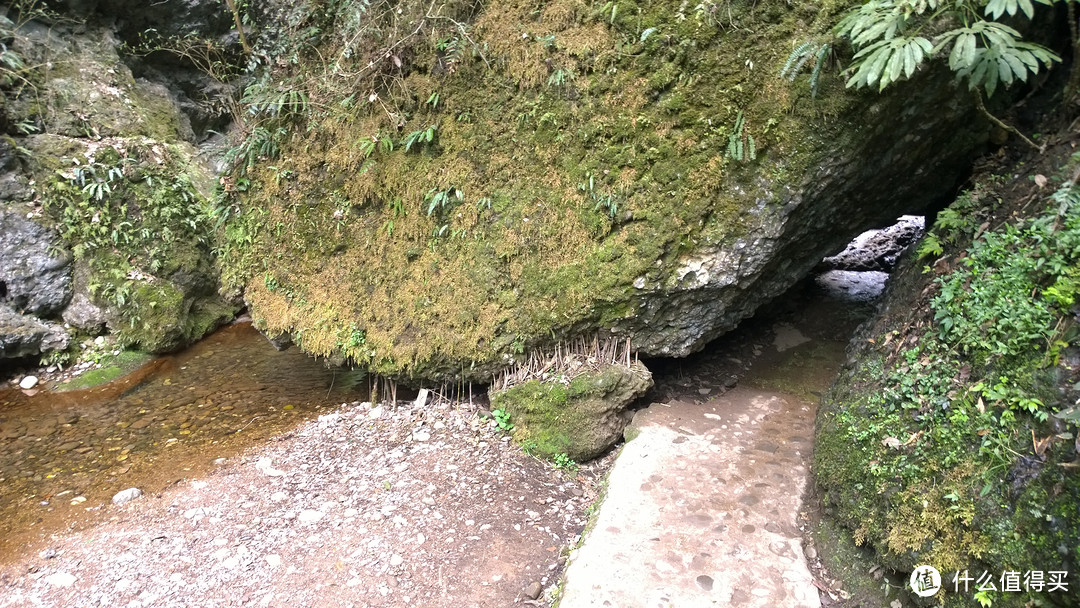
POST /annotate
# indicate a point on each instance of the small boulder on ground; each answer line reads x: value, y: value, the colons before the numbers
x: 579, y: 417
x: 127, y: 495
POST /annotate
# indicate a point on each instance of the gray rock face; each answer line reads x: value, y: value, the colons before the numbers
x: 31, y: 279
x: 791, y: 228
x: 85, y: 315
x: 85, y: 113
x: 878, y: 250
x: 25, y: 336
x: 170, y: 17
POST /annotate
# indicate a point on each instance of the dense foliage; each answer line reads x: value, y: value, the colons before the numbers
x: 950, y: 440
x: 893, y: 38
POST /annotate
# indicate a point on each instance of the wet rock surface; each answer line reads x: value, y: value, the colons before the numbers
x: 705, y: 503
x: 33, y: 279
x: 703, y: 509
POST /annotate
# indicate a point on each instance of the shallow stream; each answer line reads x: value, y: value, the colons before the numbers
x: 64, y: 455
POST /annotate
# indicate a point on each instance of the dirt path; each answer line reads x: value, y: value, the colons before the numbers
x: 363, y: 507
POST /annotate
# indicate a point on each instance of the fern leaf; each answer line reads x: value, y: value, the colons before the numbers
x: 799, y: 66
x: 815, y: 76
x: 796, y: 55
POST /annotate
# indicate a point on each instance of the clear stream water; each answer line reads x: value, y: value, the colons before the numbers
x: 64, y: 455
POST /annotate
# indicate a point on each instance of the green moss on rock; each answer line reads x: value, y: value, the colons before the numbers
x: 580, y: 418
x: 580, y: 170
x: 111, y: 369
x: 133, y: 214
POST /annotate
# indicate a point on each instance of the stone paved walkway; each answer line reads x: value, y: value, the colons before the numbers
x: 701, y: 510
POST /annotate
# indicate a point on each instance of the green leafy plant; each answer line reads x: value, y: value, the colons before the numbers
x: 439, y: 201
x: 266, y: 99
x: 741, y: 146
x: 1013, y: 285
x: 128, y: 226
x: 560, y: 77
x: 603, y: 202
x: 564, y: 462
x: 261, y: 143
x: 420, y: 136
x: 893, y: 38
x: 502, y: 419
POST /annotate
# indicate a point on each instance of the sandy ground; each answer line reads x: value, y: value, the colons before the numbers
x: 406, y: 506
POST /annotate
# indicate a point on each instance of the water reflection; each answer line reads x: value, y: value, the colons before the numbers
x: 64, y: 455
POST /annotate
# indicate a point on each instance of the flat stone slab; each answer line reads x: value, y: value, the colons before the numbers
x: 702, y: 510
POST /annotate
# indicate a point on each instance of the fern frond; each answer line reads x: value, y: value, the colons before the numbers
x: 796, y: 60
x: 815, y: 75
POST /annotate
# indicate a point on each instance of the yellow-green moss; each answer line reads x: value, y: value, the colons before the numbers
x: 111, y: 369
x: 568, y: 191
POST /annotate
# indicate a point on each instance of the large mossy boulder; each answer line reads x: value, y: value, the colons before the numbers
x: 578, y: 418
x: 521, y: 174
x: 951, y: 436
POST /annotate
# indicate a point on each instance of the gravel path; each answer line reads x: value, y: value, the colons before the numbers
x: 365, y: 506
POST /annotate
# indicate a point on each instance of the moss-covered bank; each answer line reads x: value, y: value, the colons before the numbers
x: 951, y: 437
x: 102, y: 159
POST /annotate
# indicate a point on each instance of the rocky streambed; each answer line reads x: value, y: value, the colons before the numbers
x: 363, y: 506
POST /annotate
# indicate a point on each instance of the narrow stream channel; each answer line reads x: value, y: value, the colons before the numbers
x: 64, y: 455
